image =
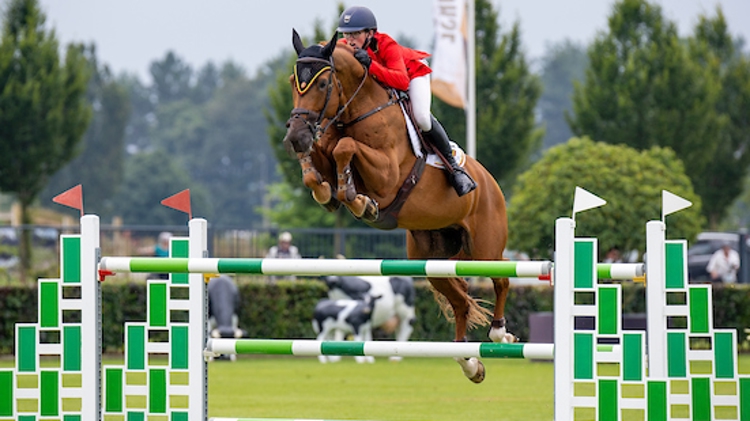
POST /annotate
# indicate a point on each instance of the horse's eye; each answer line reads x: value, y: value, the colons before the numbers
x: 322, y: 83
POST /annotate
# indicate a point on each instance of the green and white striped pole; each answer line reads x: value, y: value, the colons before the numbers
x: 313, y: 348
x: 318, y: 267
x: 620, y: 271
x: 416, y: 349
x: 357, y: 267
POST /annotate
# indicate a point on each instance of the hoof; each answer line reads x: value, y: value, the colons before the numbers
x: 326, y: 200
x: 332, y: 205
x: 502, y: 335
x: 395, y: 359
x: 479, y: 376
x: 473, y: 368
x: 371, y: 212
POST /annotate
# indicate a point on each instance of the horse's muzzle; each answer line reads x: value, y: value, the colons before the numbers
x: 299, y: 134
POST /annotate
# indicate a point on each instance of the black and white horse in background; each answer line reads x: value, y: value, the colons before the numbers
x: 393, y: 311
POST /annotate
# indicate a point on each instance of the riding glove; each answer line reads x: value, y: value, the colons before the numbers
x: 362, y: 57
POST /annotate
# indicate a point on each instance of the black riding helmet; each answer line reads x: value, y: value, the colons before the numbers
x: 357, y: 18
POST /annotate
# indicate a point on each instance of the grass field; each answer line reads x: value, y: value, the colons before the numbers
x: 413, y: 389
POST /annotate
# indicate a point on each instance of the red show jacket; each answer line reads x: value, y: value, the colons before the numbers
x: 394, y: 65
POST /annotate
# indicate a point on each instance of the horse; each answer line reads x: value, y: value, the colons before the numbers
x: 350, y: 138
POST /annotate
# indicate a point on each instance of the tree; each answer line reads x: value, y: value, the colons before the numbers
x: 286, y: 201
x: 43, y: 108
x: 562, y: 64
x: 721, y: 181
x: 149, y: 178
x: 207, y: 81
x: 142, y: 105
x: 507, y: 133
x: 234, y: 160
x: 630, y: 181
x: 172, y: 78
x: 643, y: 89
x: 99, y: 167
x: 211, y: 124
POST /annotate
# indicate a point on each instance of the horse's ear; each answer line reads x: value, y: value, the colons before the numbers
x: 328, y: 49
x: 297, y: 42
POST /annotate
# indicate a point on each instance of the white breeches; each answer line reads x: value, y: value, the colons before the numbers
x: 421, y: 100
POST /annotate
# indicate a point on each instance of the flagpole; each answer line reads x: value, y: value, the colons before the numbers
x: 471, y: 122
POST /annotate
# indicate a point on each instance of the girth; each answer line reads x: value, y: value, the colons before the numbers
x: 388, y: 216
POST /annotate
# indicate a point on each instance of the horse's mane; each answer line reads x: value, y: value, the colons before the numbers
x: 344, y: 59
x: 346, y: 47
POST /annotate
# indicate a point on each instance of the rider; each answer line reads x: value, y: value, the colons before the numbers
x: 403, y: 69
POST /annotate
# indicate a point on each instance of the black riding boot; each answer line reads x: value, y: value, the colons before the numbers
x: 459, y: 179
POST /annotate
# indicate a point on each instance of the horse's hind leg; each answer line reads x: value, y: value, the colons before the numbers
x: 488, y: 242
x: 455, y: 290
x: 498, y: 332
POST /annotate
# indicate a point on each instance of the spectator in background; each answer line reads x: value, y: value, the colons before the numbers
x: 724, y: 264
x: 160, y: 249
x: 284, y: 250
x: 613, y: 255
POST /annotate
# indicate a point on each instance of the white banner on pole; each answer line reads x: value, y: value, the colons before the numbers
x: 449, y: 58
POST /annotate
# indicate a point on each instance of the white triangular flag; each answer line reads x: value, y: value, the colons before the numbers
x: 584, y: 200
x: 671, y: 203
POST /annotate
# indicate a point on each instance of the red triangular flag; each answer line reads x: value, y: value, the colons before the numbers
x: 179, y: 201
x: 72, y: 197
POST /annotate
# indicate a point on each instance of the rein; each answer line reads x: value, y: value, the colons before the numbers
x: 315, y: 127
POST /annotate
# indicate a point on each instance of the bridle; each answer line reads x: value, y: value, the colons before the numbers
x: 315, y: 127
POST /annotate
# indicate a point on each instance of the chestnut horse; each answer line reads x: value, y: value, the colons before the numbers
x: 350, y: 137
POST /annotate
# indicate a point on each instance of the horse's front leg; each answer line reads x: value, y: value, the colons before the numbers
x: 360, y: 205
x: 322, y: 191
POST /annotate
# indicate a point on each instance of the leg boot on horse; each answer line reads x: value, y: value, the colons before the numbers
x: 459, y: 179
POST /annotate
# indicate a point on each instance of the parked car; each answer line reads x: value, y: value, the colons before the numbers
x: 704, y: 247
x: 8, y: 236
x: 45, y: 236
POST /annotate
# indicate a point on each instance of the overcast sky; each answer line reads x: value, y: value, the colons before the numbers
x: 130, y: 34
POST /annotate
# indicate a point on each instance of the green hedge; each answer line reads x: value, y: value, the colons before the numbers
x: 284, y: 310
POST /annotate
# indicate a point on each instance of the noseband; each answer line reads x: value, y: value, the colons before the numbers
x: 315, y: 127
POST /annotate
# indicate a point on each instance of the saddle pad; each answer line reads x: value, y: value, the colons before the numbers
x: 432, y: 159
x: 413, y: 138
x: 458, y: 153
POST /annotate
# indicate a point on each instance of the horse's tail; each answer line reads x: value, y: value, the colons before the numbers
x: 477, y: 316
